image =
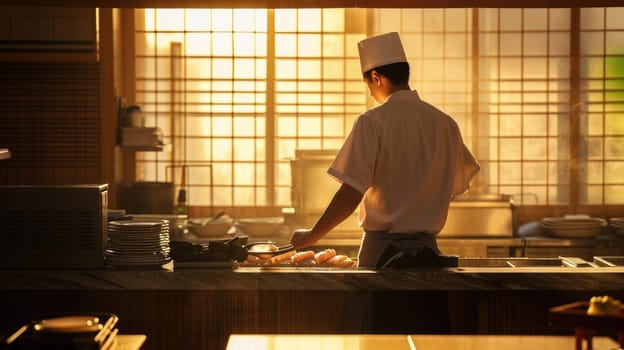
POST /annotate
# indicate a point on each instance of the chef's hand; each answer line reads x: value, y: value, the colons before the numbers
x: 302, y: 238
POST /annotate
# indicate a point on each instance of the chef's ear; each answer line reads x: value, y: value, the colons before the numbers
x: 375, y: 78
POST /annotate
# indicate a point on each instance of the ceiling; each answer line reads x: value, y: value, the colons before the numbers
x: 316, y: 3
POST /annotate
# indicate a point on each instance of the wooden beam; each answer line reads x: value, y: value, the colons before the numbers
x: 108, y: 110
x: 317, y: 3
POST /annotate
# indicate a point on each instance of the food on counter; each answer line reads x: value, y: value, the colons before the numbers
x: 251, y: 260
x: 283, y: 257
x: 303, y: 257
x: 324, y: 258
x: 340, y: 261
x: 324, y: 255
x: 605, y: 306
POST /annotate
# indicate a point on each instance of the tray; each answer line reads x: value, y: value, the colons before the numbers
x: 203, y: 265
x: 575, y: 315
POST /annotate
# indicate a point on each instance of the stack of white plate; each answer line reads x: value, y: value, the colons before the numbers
x: 138, y: 242
x: 574, y: 226
x: 618, y: 225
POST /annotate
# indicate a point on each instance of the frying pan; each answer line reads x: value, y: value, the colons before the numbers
x: 261, y: 249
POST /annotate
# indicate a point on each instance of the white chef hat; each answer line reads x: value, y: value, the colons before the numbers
x: 380, y: 50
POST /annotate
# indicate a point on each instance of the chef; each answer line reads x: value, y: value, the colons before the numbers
x: 402, y: 162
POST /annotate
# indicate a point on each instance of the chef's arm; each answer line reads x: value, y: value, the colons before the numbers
x: 342, y: 205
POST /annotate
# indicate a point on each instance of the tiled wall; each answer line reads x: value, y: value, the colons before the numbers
x: 50, y: 120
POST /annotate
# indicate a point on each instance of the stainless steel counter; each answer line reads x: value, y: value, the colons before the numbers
x: 600, y: 241
x: 562, y: 264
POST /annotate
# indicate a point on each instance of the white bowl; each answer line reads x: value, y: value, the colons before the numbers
x: 268, y: 226
x: 215, y: 228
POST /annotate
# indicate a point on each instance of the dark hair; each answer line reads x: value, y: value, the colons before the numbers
x: 397, y: 73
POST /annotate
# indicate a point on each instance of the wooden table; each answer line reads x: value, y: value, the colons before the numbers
x: 408, y: 342
x: 574, y: 316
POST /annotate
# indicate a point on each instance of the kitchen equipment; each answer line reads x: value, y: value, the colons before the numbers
x: 141, y: 137
x: 617, y: 225
x: 574, y: 226
x: 609, y: 261
x: 312, y: 189
x: 185, y: 251
x: 469, y: 215
x: 261, y: 227
x: 177, y: 222
x: 213, y: 218
x: 71, y: 331
x: 574, y: 261
x: 565, y: 262
x: 267, y: 250
x: 216, y: 226
x: 146, y: 197
x: 133, y: 117
x: 480, y: 215
x: 66, y: 324
x: 49, y: 227
x: 136, y: 242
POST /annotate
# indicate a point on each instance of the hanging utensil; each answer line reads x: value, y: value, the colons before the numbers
x: 213, y: 218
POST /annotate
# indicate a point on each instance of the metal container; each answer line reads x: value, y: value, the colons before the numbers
x: 470, y: 215
x: 312, y: 188
x: 480, y: 215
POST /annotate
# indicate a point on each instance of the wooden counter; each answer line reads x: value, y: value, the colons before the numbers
x: 199, y: 309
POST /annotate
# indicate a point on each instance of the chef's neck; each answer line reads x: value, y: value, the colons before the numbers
x: 394, y: 88
x: 386, y: 88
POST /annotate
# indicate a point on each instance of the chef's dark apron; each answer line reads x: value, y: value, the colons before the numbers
x: 389, y: 311
x: 383, y: 250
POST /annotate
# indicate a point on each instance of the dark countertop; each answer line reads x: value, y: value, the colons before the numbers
x: 453, y: 279
x: 200, y: 308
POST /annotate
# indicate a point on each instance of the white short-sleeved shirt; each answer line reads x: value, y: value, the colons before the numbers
x: 407, y: 158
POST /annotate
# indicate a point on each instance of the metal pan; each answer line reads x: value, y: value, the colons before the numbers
x: 267, y: 250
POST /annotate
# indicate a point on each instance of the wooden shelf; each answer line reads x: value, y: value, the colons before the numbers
x: 147, y: 148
